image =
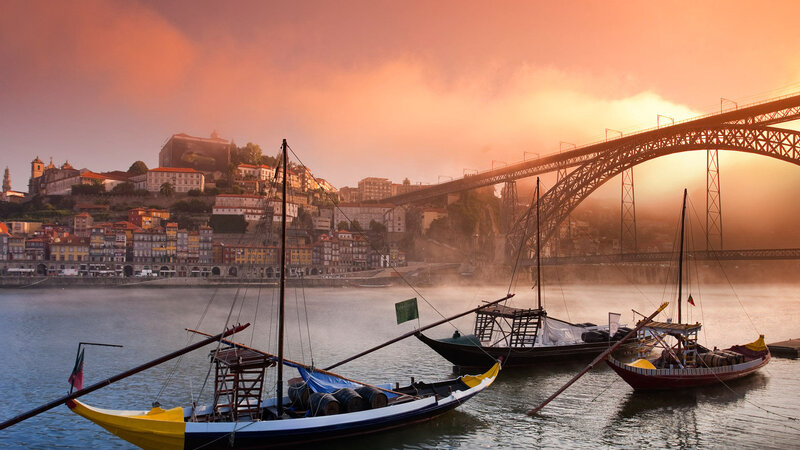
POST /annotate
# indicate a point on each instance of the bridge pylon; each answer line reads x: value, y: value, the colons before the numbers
x: 627, y: 223
x: 713, y: 202
x: 508, y: 212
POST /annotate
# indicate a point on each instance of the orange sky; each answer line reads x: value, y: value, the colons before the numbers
x: 378, y: 88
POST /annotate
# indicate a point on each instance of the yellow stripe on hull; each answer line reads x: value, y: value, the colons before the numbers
x: 158, y: 429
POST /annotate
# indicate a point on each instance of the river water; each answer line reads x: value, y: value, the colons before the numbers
x: 40, y: 329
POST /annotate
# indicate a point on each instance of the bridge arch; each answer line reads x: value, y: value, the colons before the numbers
x: 565, y: 195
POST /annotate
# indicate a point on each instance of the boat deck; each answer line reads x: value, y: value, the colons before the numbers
x: 785, y: 349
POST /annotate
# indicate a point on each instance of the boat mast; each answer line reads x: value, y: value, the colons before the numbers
x: 282, y: 284
x: 680, y: 255
x: 538, y: 252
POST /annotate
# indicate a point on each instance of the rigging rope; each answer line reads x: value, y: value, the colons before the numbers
x: 735, y: 294
x: 308, y: 329
x: 379, y: 251
x: 189, y: 337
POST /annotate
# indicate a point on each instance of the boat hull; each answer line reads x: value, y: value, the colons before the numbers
x: 471, y: 355
x: 172, y: 429
x: 663, y: 379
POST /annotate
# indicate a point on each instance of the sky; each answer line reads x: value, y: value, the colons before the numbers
x: 396, y: 89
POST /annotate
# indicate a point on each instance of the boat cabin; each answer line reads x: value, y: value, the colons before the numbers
x: 682, y: 353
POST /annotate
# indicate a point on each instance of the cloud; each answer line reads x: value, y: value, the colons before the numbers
x: 120, y: 49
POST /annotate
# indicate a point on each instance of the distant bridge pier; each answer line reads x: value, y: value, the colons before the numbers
x: 627, y: 220
x: 508, y: 213
x: 713, y: 202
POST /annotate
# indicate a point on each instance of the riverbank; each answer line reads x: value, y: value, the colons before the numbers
x: 423, y: 274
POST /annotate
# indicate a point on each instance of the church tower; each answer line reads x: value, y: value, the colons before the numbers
x: 37, y: 169
x: 6, y: 181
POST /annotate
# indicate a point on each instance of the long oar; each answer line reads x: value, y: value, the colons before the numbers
x: 411, y: 333
x: 120, y: 376
x: 599, y: 358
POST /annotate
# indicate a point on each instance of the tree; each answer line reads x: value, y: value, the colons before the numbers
x: 195, y: 192
x: 228, y: 224
x: 355, y: 226
x: 88, y: 189
x: 138, y: 168
x: 166, y: 189
x: 123, y: 189
x: 343, y: 225
x: 376, y: 227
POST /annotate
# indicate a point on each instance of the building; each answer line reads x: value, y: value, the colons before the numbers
x: 372, y: 188
x: 69, y: 248
x: 206, y: 245
x: 431, y: 214
x: 4, y: 235
x: 82, y: 224
x: 392, y: 217
x: 24, y: 228
x: 253, y: 207
x: 206, y: 155
x: 147, y: 218
x: 349, y: 195
x: 182, y: 180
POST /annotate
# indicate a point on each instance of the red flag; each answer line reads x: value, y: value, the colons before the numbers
x: 76, y: 378
x: 691, y: 300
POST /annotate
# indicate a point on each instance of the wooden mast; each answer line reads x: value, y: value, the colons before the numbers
x: 680, y: 255
x: 282, y: 284
x: 538, y: 253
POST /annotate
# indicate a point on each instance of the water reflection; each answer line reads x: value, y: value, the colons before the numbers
x: 600, y: 410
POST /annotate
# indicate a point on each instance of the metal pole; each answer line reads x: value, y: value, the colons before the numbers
x: 279, y: 396
x: 599, y: 358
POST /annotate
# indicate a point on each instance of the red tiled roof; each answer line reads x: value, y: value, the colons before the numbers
x: 241, y: 195
x: 90, y: 174
x: 173, y: 169
x: 3, y: 228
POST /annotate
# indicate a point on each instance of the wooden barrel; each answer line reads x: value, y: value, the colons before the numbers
x: 298, y: 394
x: 323, y: 404
x: 350, y: 400
x: 373, y: 397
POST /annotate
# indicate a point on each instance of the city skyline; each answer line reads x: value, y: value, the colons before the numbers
x: 382, y: 89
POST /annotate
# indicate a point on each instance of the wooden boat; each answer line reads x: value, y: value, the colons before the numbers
x: 526, y: 337
x: 683, y: 363
x: 320, y: 406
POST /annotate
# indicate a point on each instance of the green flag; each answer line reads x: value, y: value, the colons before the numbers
x: 406, y: 310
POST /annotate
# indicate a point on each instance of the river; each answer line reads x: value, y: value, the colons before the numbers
x: 40, y: 329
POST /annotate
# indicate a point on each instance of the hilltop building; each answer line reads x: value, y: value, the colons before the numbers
x: 182, y: 180
x: 211, y: 155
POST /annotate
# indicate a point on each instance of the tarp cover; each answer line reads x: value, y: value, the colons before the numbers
x: 556, y: 332
x: 320, y: 382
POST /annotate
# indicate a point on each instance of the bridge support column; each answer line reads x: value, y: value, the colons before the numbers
x: 713, y: 202
x: 509, y: 206
x: 627, y: 227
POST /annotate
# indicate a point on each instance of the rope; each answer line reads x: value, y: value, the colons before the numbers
x: 189, y: 337
x: 362, y: 234
x: 730, y: 284
x: 308, y: 329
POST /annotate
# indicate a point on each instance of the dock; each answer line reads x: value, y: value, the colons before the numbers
x: 785, y: 349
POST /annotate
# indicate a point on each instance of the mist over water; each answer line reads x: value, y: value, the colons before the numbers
x: 41, y: 328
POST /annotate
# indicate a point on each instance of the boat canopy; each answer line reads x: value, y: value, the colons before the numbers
x: 509, y: 312
x: 668, y: 327
x: 321, y: 382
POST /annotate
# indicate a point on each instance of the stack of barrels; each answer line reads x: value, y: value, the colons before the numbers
x: 719, y: 358
x: 341, y: 401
